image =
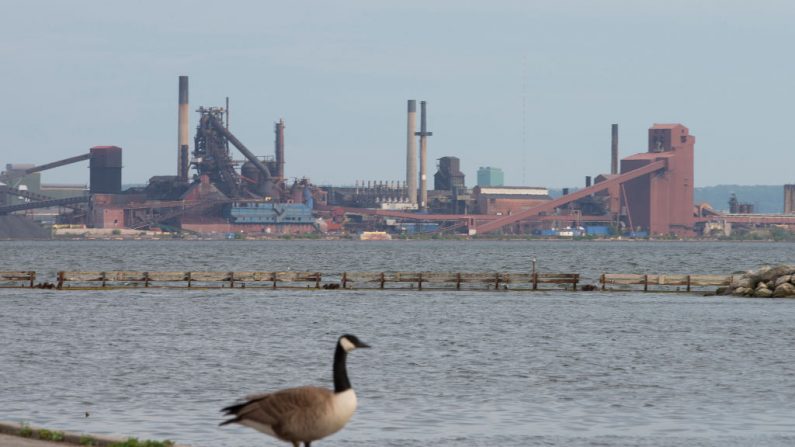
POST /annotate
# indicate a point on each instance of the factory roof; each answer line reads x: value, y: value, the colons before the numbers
x: 522, y: 191
x: 540, y: 197
x: 668, y: 126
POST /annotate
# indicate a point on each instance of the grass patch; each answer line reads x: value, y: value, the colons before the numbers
x: 25, y: 431
x: 87, y: 440
x: 50, y: 435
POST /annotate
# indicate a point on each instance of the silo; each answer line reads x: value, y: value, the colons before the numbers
x: 105, y: 170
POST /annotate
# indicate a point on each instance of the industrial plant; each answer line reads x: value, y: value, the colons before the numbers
x: 220, y: 188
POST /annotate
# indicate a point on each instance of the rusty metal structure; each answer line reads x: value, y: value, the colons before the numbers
x: 212, y: 158
x: 737, y: 207
x: 449, y: 175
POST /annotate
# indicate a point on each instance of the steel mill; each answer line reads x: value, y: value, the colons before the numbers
x: 221, y: 188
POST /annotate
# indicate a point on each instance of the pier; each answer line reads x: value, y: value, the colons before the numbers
x: 511, y: 281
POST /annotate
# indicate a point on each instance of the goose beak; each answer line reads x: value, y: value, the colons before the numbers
x: 362, y: 345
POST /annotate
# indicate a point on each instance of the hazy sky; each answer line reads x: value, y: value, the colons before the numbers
x: 77, y: 74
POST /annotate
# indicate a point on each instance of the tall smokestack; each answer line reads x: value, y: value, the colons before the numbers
x: 423, y: 134
x: 183, y: 162
x: 614, y: 150
x: 279, y: 130
x: 411, y: 152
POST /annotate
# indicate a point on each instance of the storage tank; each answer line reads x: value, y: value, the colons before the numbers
x: 105, y: 170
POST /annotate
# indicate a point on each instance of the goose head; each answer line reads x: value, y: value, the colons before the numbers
x: 350, y: 342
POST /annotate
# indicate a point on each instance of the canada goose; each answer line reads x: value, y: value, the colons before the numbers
x: 306, y: 413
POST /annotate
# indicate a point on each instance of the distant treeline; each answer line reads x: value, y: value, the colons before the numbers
x: 765, y: 198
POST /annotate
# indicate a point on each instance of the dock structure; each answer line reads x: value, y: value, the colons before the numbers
x: 686, y: 282
x: 18, y: 279
x: 317, y: 280
x: 511, y: 281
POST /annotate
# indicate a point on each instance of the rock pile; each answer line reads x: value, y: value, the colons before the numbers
x: 766, y: 282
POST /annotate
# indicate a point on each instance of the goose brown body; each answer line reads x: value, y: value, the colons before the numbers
x: 303, y: 414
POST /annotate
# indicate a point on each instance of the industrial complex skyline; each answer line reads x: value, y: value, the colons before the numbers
x: 529, y: 87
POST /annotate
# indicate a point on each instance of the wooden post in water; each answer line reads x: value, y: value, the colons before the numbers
x: 688, y: 283
x: 61, y: 276
x: 146, y: 279
x: 103, y: 277
x: 231, y: 279
x: 344, y: 280
x: 645, y: 283
x: 32, y: 278
x: 458, y: 281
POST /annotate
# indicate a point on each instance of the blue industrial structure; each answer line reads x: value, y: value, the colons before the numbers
x: 271, y: 213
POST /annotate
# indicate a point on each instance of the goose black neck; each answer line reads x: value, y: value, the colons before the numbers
x: 341, y: 382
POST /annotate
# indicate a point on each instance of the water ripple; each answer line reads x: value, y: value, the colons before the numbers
x: 447, y: 368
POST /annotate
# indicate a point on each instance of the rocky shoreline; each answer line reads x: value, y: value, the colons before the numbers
x: 765, y: 282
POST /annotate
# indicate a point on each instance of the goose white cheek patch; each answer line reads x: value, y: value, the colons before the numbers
x: 347, y: 345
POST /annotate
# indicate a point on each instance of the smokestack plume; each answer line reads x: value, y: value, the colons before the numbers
x: 411, y: 152
x: 587, y: 181
x: 183, y: 162
x: 423, y: 134
x: 279, y: 130
x: 614, y: 150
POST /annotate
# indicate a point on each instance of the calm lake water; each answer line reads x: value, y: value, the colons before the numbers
x: 465, y: 368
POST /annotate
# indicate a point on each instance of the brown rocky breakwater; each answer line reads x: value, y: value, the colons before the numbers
x: 765, y: 282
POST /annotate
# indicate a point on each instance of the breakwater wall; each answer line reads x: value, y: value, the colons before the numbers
x: 506, y: 281
x: 765, y: 282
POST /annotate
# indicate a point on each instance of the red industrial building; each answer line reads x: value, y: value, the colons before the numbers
x: 662, y: 202
x: 653, y: 192
x: 507, y: 200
